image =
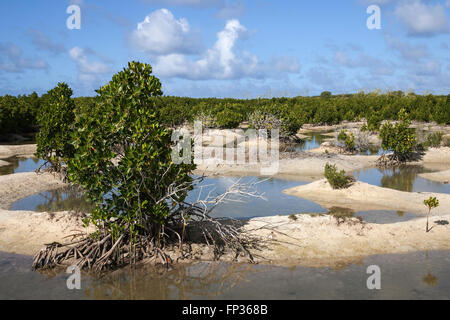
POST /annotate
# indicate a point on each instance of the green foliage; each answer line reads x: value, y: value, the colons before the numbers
x: 337, y: 179
x: 325, y: 109
x: 229, y: 117
x: 123, y: 156
x: 434, y: 140
x: 399, y: 138
x: 374, y: 121
x: 18, y: 114
x: 348, y: 140
x: 56, y: 118
x: 430, y: 203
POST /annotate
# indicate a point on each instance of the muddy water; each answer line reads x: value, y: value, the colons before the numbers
x: 419, y: 275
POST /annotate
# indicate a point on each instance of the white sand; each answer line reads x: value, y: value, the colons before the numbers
x: 363, y: 196
x: 304, y: 167
x: 26, y: 232
x: 14, y: 187
x: 320, y: 241
x: 4, y: 163
x: 26, y: 150
x: 441, y: 176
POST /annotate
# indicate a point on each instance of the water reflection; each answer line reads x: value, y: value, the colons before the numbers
x: 429, y: 278
x: 403, y: 178
x: 19, y: 165
x: 65, y: 199
x: 402, y: 278
x: 314, y: 140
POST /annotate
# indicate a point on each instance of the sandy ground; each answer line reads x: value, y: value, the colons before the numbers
x: 441, y: 176
x: 437, y: 155
x: 363, y: 196
x: 26, y: 151
x: 313, y: 241
x: 17, y: 186
x: 319, y: 241
x: 4, y: 163
x: 26, y: 232
x: 302, y: 166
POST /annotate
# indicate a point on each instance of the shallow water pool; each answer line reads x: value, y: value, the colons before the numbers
x: 19, y: 165
x: 404, y: 178
x: 418, y: 275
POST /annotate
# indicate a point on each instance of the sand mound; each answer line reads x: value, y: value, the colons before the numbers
x: 441, y: 176
x: 320, y: 241
x: 26, y: 232
x: 363, y: 196
x: 26, y: 150
x: 14, y: 187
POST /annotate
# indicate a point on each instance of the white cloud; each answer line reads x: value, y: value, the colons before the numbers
x: 429, y: 68
x: 43, y: 42
x: 421, y: 19
x: 12, y: 60
x: 223, y: 60
x: 161, y: 33
x: 362, y: 60
x: 86, y: 66
x: 407, y: 51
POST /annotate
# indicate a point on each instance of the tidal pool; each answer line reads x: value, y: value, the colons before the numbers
x: 19, y: 165
x: 418, y: 275
x: 404, y: 178
x: 275, y: 203
x: 314, y: 140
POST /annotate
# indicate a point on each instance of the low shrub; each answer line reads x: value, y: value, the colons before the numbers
x: 434, y: 140
x: 337, y: 179
x: 348, y: 140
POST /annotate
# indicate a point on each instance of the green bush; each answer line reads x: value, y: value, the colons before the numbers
x: 434, y: 140
x: 56, y: 119
x: 18, y: 114
x: 123, y: 157
x: 337, y: 179
x: 399, y: 138
x: 348, y: 140
x: 374, y: 122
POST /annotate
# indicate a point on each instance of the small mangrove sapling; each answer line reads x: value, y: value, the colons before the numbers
x: 431, y: 203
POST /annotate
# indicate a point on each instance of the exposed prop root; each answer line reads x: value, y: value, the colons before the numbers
x: 101, y: 252
x: 188, y: 224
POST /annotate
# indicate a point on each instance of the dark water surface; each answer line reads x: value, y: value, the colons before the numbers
x: 419, y: 275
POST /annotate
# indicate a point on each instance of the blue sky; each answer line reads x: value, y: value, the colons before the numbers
x: 228, y: 48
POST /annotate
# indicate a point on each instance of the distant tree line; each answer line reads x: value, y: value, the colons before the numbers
x: 18, y: 114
